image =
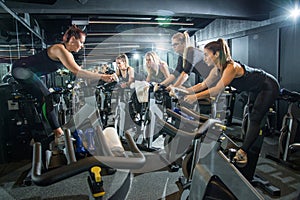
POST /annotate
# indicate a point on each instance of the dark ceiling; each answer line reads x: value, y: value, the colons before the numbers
x: 115, y: 23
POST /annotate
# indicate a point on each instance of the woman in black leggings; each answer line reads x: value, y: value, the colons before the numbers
x: 262, y: 87
x: 28, y: 70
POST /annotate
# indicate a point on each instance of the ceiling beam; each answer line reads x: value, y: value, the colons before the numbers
x: 22, y: 21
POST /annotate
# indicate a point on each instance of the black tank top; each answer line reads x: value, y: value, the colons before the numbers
x: 252, y: 80
x: 39, y: 63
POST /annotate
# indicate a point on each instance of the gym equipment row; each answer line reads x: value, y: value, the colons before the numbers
x: 289, y: 140
x: 187, y: 136
x: 107, y: 152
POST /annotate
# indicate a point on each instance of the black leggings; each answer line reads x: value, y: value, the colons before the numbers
x: 36, y: 87
x: 261, y: 102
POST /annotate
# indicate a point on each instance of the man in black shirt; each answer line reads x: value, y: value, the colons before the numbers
x: 190, y: 59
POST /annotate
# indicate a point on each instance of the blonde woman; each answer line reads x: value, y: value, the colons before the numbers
x: 157, y: 70
x: 124, y: 71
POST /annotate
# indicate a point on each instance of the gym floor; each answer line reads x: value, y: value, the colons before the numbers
x: 160, y: 184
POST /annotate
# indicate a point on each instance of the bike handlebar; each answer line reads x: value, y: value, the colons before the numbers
x: 292, y: 96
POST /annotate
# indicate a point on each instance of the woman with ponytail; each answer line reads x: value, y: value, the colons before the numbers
x: 262, y: 87
x: 28, y: 70
x: 125, y: 72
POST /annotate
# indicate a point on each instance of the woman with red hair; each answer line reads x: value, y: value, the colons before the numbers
x: 28, y: 70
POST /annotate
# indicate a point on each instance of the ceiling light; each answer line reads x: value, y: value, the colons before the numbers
x: 80, y: 22
x: 136, y: 56
x: 295, y: 12
x: 127, y: 18
x: 166, y: 18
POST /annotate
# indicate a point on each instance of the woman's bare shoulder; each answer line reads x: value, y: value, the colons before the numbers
x: 237, y: 67
x: 164, y: 64
x: 55, y: 50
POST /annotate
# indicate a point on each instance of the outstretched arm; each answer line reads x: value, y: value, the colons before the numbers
x: 67, y: 59
x: 212, y: 77
x: 181, y: 79
x: 228, y: 75
x: 168, y: 80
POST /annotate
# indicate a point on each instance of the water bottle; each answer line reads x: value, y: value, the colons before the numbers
x: 78, y: 134
x: 89, y: 134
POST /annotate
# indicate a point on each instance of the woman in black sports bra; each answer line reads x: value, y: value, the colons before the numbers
x: 27, y: 71
x: 262, y: 87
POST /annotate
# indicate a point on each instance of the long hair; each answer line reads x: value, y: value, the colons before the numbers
x: 222, y: 47
x: 124, y: 58
x: 73, y: 31
x: 155, y: 59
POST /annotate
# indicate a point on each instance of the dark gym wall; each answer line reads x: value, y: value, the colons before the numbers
x: 258, y: 50
x: 289, y: 63
x: 239, y: 49
x: 290, y: 57
x: 263, y: 51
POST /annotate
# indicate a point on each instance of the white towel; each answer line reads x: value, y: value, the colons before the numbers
x: 142, y: 91
x: 113, y: 141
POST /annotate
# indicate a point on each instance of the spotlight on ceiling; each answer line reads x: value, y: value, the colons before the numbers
x: 295, y: 12
x: 82, y: 22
